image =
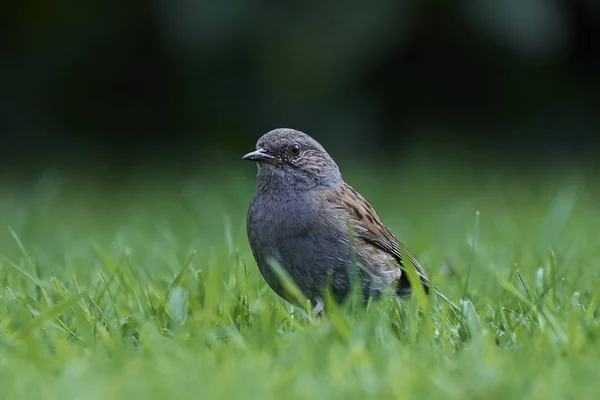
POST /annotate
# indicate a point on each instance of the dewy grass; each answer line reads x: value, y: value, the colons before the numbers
x: 148, y: 290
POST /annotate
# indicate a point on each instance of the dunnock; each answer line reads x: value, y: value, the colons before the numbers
x: 316, y: 227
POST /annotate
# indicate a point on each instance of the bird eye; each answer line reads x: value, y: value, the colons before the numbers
x: 295, y: 149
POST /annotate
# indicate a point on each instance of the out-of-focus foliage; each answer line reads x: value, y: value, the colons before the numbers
x: 132, y: 80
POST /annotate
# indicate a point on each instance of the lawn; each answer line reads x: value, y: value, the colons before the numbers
x: 145, y: 287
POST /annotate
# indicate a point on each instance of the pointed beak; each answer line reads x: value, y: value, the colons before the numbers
x: 259, y: 155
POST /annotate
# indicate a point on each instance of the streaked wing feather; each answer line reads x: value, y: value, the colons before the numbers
x: 374, y: 231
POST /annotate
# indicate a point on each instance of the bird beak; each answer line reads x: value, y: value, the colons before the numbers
x: 259, y: 155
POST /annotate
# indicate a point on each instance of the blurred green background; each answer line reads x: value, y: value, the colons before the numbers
x: 470, y: 125
x: 170, y: 84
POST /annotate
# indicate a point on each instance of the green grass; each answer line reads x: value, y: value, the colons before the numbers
x: 146, y: 288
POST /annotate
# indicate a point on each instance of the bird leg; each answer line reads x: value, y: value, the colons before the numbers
x: 319, y: 306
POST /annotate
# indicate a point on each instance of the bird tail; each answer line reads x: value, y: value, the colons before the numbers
x: 406, y: 290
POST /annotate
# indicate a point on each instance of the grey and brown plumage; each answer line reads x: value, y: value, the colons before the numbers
x: 316, y: 227
x: 379, y: 245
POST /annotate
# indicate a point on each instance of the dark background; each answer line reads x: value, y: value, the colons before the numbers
x: 101, y: 84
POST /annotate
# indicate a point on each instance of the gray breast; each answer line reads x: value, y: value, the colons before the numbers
x: 301, y: 237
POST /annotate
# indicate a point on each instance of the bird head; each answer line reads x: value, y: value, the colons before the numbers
x: 292, y: 158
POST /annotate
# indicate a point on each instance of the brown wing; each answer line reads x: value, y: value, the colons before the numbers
x: 374, y: 230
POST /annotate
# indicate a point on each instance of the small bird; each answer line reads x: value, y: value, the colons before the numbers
x: 305, y: 218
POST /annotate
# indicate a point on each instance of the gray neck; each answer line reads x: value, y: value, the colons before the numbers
x: 272, y: 180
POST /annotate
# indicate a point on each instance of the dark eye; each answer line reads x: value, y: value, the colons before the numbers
x: 295, y: 149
